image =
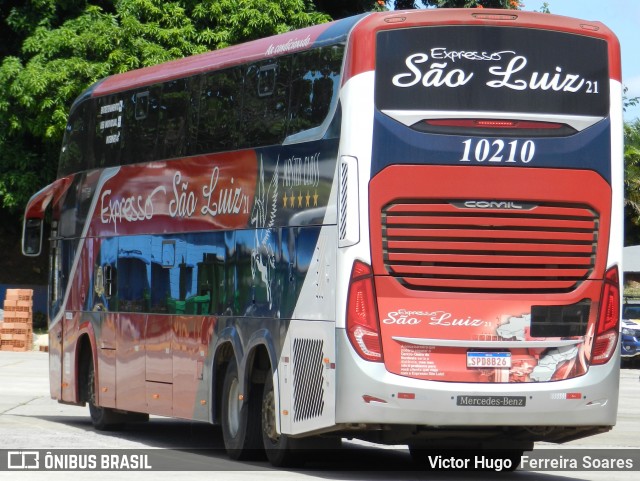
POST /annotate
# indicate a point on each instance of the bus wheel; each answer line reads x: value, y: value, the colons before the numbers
x: 102, y: 418
x: 240, y: 420
x: 280, y: 448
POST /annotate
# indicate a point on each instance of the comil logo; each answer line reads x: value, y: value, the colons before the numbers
x: 23, y: 460
x: 493, y: 205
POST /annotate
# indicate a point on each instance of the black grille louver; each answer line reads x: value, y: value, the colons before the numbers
x: 308, y: 379
x: 499, y: 247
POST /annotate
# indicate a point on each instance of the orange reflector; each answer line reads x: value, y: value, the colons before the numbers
x: 406, y: 395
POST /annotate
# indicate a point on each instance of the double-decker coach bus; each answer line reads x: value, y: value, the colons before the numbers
x: 403, y: 227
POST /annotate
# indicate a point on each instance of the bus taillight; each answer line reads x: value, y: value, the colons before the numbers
x: 503, y: 127
x: 363, y: 328
x: 606, y: 340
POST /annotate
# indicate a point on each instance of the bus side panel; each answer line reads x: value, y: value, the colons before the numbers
x: 306, y: 377
x: 107, y: 378
x: 130, y: 362
x: 191, y: 340
x: 71, y: 329
x: 306, y: 369
x: 55, y: 360
x: 158, y: 344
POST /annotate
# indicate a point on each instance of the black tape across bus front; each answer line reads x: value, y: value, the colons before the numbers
x: 491, y: 69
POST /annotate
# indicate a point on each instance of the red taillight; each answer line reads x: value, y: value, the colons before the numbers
x: 606, y: 338
x: 505, y: 127
x: 493, y: 124
x: 363, y: 328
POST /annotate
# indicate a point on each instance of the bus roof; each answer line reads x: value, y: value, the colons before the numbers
x: 256, y: 50
x: 361, y: 58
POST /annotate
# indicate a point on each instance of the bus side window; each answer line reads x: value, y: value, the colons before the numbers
x: 220, y: 100
x: 108, y: 279
x: 267, y: 80
x: 172, y: 119
x: 140, y: 118
x: 314, y: 87
x: 210, y: 272
x: 134, y: 261
x: 265, y: 103
x: 108, y: 140
x: 105, y: 292
x: 75, y: 155
x: 141, y: 105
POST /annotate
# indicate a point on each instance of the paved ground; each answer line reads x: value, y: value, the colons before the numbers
x: 30, y: 420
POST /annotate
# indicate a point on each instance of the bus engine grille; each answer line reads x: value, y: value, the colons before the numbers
x: 308, y: 379
x: 488, y: 246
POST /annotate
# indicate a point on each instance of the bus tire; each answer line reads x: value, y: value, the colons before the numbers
x: 240, y: 420
x: 103, y: 419
x: 282, y: 451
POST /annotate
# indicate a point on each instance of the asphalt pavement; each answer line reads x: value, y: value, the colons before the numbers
x: 31, y: 421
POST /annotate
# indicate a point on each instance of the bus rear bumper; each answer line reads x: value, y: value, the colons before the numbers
x: 367, y: 393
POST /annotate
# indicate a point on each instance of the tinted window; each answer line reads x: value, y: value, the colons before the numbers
x: 109, y: 138
x: 134, y: 255
x: 160, y: 283
x: 141, y: 113
x: 173, y: 119
x: 76, y: 154
x: 219, y: 111
x: 315, y: 82
x: 265, y: 103
x: 241, y: 107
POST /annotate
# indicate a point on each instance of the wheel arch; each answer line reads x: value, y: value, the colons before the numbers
x: 85, y: 352
x: 255, y: 361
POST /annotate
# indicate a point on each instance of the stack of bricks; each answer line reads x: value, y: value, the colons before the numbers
x: 16, y: 332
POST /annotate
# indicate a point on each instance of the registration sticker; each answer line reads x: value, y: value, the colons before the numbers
x: 489, y: 359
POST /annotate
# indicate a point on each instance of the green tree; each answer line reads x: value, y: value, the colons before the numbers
x: 632, y: 182
x: 347, y: 8
x: 631, y: 174
x: 59, y: 57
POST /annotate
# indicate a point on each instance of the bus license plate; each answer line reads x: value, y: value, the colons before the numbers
x: 489, y: 359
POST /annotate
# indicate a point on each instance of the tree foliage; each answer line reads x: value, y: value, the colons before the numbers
x: 53, y: 49
x: 632, y: 182
x: 58, y: 48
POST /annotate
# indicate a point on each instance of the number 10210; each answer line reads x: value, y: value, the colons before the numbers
x: 498, y: 151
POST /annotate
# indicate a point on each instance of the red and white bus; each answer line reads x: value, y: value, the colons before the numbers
x: 403, y: 227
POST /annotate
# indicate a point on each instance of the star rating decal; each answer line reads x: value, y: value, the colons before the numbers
x: 290, y: 199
